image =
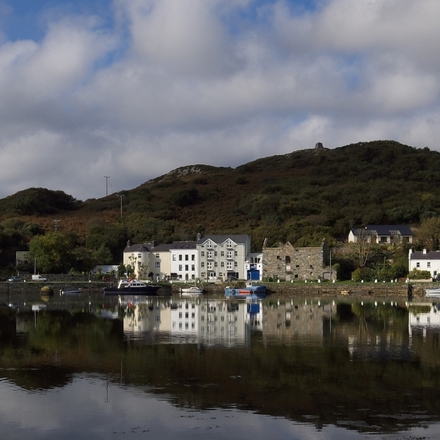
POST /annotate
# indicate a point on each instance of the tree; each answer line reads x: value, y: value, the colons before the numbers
x: 362, y: 249
x: 54, y: 252
x: 428, y: 234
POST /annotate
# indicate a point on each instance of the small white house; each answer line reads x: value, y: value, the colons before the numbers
x: 381, y: 234
x: 425, y: 260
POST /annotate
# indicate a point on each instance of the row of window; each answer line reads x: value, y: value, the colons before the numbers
x: 212, y: 254
x: 193, y: 257
x: 231, y: 330
x: 210, y: 264
x: 230, y: 317
x: 428, y: 264
x: 193, y: 268
x: 228, y: 244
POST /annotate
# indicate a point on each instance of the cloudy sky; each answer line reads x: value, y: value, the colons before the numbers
x: 132, y: 89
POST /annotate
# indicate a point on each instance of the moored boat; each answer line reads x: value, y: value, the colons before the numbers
x: 72, y: 291
x: 132, y: 287
x: 254, y: 291
x: 191, y: 291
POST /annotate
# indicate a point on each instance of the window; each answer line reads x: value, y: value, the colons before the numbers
x: 229, y: 254
x: 202, y: 253
x: 417, y: 264
x: 209, y: 265
x: 193, y: 257
x: 180, y: 257
x: 180, y: 268
x: 186, y: 267
x: 186, y: 257
x: 209, y: 254
x: 229, y: 265
x: 428, y: 264
x: 193, y: 267
x: 174, y: 257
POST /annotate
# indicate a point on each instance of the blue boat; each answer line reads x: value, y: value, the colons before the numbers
x: 250, y: 291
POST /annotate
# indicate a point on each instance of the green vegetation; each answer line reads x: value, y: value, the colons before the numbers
x: 301, y: 197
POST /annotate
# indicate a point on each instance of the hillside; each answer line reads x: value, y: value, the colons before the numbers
x: 301, y: 197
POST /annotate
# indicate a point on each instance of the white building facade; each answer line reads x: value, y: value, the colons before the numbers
x: 223, y: 257
x: 139, y: 260
x: 184, y: 261
x: 425, y: 260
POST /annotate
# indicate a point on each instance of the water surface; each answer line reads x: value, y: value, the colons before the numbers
x: 168, y: 368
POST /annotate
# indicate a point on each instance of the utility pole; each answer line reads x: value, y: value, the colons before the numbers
x: 106, y: 185
x: 120, y: 196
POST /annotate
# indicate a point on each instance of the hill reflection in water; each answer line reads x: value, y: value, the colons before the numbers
x: 291, y: 368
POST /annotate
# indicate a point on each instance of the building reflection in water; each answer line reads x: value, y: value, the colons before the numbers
x: 221, y: 322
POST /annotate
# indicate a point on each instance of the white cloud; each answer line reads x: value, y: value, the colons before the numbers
x: 175, y: 83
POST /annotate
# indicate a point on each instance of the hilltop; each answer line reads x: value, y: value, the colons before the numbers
x: 302, y: 197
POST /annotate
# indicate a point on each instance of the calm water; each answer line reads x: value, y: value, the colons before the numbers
x: 183, y: 369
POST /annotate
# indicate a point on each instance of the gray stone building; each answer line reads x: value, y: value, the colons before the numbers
x: 288, y: 263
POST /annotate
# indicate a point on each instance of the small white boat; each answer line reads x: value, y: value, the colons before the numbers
x: 73, y: 291
x: 191, y: 291
x: 434, y: 292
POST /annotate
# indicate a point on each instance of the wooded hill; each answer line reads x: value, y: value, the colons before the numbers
x: 301, y: 197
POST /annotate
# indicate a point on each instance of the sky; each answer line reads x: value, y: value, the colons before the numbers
x: 133, y: 89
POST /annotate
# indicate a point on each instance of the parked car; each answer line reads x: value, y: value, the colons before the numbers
x: 15, y: 279
x: 38, y: 278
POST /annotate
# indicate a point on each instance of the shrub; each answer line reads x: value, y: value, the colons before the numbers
x: 417, y: 274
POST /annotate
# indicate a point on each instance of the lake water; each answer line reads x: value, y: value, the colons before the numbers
x: 163, y: 368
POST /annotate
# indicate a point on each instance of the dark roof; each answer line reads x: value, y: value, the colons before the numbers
x: 164, y: 247
x: 385, y: 229
x: 420, y: 255
x: 242, y: 238
x: 138, y: 248
x: 177, y: 245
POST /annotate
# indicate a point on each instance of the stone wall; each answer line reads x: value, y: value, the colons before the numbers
x: 289, y: 263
